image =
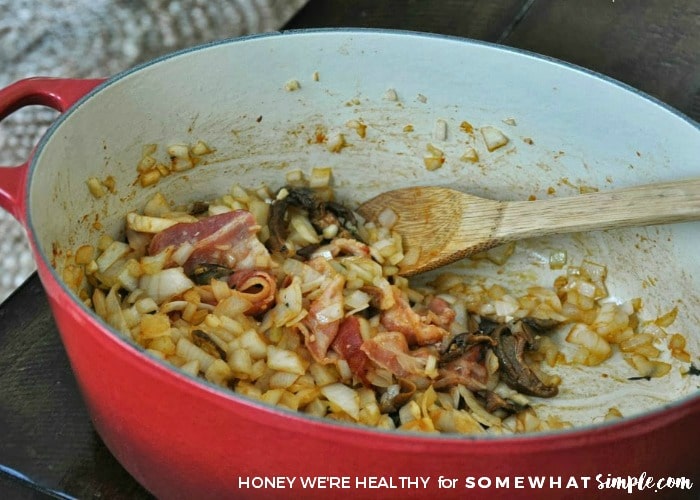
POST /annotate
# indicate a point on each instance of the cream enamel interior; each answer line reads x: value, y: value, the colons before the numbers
x: 586, y: 131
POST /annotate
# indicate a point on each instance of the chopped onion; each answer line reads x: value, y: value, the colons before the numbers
x: 493, y: 138
x: 333, y: 312
x: 285, y: 360
x: 387, y: 218
x: 115, y: 251
x: 344, y: 398
x: 147, y: 224
x: 183, y: 253
x: 165, y: 284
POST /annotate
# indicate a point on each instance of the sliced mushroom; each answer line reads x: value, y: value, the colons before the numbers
x: 205, y: 343
x: 494, y: 402
x: 396, y: 396
x: 459, y: 345
x: 322, y: 214
x: 203, y: 273
x: 511, y: 343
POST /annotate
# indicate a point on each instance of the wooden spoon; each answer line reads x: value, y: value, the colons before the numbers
x: 444, y: 225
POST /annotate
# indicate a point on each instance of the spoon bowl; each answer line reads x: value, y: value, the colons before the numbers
x: 441, y: 225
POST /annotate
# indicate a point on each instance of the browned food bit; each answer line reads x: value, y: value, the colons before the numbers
x: 198, y: 208
x: 397, y: 395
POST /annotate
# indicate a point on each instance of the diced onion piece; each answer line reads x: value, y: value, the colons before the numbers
x: 433, y: 163
x: 440, y: 131
x: 115, y: 251
x: 201, y: 148
x: 285, y: 360
x: 356, y: 301
x: 470, y: 155
x: 84, y: 254
x: 292, y: 85
x: 500, y: 254
x: 191, y: 367
x: 387, y: 218
x: 409, y: 412
x: 303, y: 231
x: 180, y: 157
x: 320, y: 177
x: 331, y: 313
x: 254, y: 343
x: 344, y: 398
x: 557, y: 260
x: 147, y: 224
x: 289, y: 308
x: 493, y: 138
x: 146, y: 305
x: 391, y: 95
x: 182, y: 253
x: 667, y: 319
x: 241, y: 362
x: 596, y: 348
x: 190, y: 352
x: 165, y: 284
x: 96, y: 188
x: 647, y: 367
x: 157, y: 206
x: 219, y: 372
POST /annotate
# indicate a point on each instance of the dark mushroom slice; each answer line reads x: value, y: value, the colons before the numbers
x: 205, y: 343
x: 460, y: 344
x: 494, y: 403
x: 322, y: 214
x: 203, y: 273
x: 511, y: 343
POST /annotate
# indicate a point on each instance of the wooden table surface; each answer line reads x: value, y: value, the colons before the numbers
x: 48, y: 447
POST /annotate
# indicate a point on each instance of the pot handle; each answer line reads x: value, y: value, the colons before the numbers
x: 57, y: 93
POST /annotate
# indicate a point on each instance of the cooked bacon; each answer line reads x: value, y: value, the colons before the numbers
x: 228, y: 239
x: 257, y: 287
x: 348, y: 343
x: 390, y: 350
x: 469, y: 370
x: 344, y: 246
x: 323, y: 320
x: 418, y: 329
x: 440, y: 312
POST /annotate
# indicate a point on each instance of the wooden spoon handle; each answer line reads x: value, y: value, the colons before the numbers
x: 635, y: 206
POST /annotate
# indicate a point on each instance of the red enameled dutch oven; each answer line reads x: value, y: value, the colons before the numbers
x: 184, y: 438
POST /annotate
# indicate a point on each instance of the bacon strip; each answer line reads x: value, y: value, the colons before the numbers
x: 257, y: 287
x: 345, y: 246
x: 348, y: 343
x: 390, y: 350
x: 440, y: 312
x: 418, y: 329
x: 323, y: 320
x: 227, y: 239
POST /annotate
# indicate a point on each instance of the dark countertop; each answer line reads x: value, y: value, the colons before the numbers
x: 47, y: 444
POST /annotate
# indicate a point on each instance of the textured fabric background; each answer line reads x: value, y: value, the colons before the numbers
x: 94, y: 38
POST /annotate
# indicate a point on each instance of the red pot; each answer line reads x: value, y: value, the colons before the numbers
x: 183, y: 438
